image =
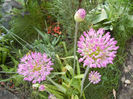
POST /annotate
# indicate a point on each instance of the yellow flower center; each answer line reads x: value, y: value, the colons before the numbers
x: 36, y: 67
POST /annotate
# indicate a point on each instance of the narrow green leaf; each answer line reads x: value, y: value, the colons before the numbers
x: 44, y: 36
x: 65, y: 48
x: 69, y: 57
x: 69, y: 68
x: 58, y: 73
x: 57, y: 85
x: 79, y: 76
x: 76, y: 97
x: 78, y: 67
x: 59, y: 61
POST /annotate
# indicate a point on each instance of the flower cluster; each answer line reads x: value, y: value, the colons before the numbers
x: 96, y: 48
x: 94, y: 77
x: 51, y: 96
x: 41, y: 88
x: 35, y: 67
x: 36, y: 86
x: 54, y: 29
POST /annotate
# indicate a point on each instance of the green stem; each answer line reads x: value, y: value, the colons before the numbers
x: 83, y: 80
x: 84, y: 95
x: 87, y: 85
x: 75, y: 43
x: 7, y: 72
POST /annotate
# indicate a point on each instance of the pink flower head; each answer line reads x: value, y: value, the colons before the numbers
x: 80, y: 15
x: 94, y: 77
x: 51, y: 97
x: 35, y: 67
x: 41, y: 88
x: 96, y: 48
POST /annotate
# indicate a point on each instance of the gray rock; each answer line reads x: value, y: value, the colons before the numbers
x: 6, y: 8
x: 4, y: 94
x: 131, y: 50
x: 9, y: 4
x: 16, y: 4
x: 124, y: 96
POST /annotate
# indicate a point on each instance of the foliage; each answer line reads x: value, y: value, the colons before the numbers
x: 4, y: 49
x: 47, y: 44
x: 24, y: 21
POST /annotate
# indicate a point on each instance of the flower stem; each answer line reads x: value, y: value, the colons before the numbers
x: 87, y: 85
x: 75, y: 43
x: 83, y: 80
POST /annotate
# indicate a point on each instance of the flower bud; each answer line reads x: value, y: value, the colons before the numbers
x: 51, y: 97
x: 41, y: 88
x: 80, y: 15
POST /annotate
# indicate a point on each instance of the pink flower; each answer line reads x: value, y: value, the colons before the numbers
x: 80, y: 15
x: 94, y: 77
x: 51, y: 97
x: 96, y: 48
x: 35, y: 67
x: 41, y: 88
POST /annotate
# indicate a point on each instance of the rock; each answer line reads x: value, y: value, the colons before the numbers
x: 125, y: 85
x: 126, y: 69
x: 131, y: 50
x: 5, y: 21
x: 127, y: 81
x: 4, y: 94
x: 16, y: 4
x: 6, y: 8
x: 8, y: 5
x: 130, y: 67
x: 123, y: 79
x: 124, y: 96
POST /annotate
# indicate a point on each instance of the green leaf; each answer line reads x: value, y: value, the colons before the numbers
x: 55, y: 41
x: 44, y: 36
x: 79, y: 76
x: 54, y: 90
x: 75, y: 83
x: 78, y: 67
x: 4, y: 68
x: 100, y: 17
x: 69, y: 57
x: 58, y: 73
x: 61, y: 88
x: 42, y: 96
x: 76, y: 97
x: 4, y: 49
x: 16, y: 76
x: 4, y: 56
x: 59, y: 61
x: 58, y: 94
x: 65, y: 79
x: 69, y: 68
x: 65, y: 48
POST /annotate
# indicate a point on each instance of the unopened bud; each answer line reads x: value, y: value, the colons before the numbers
x: 80, y: 15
